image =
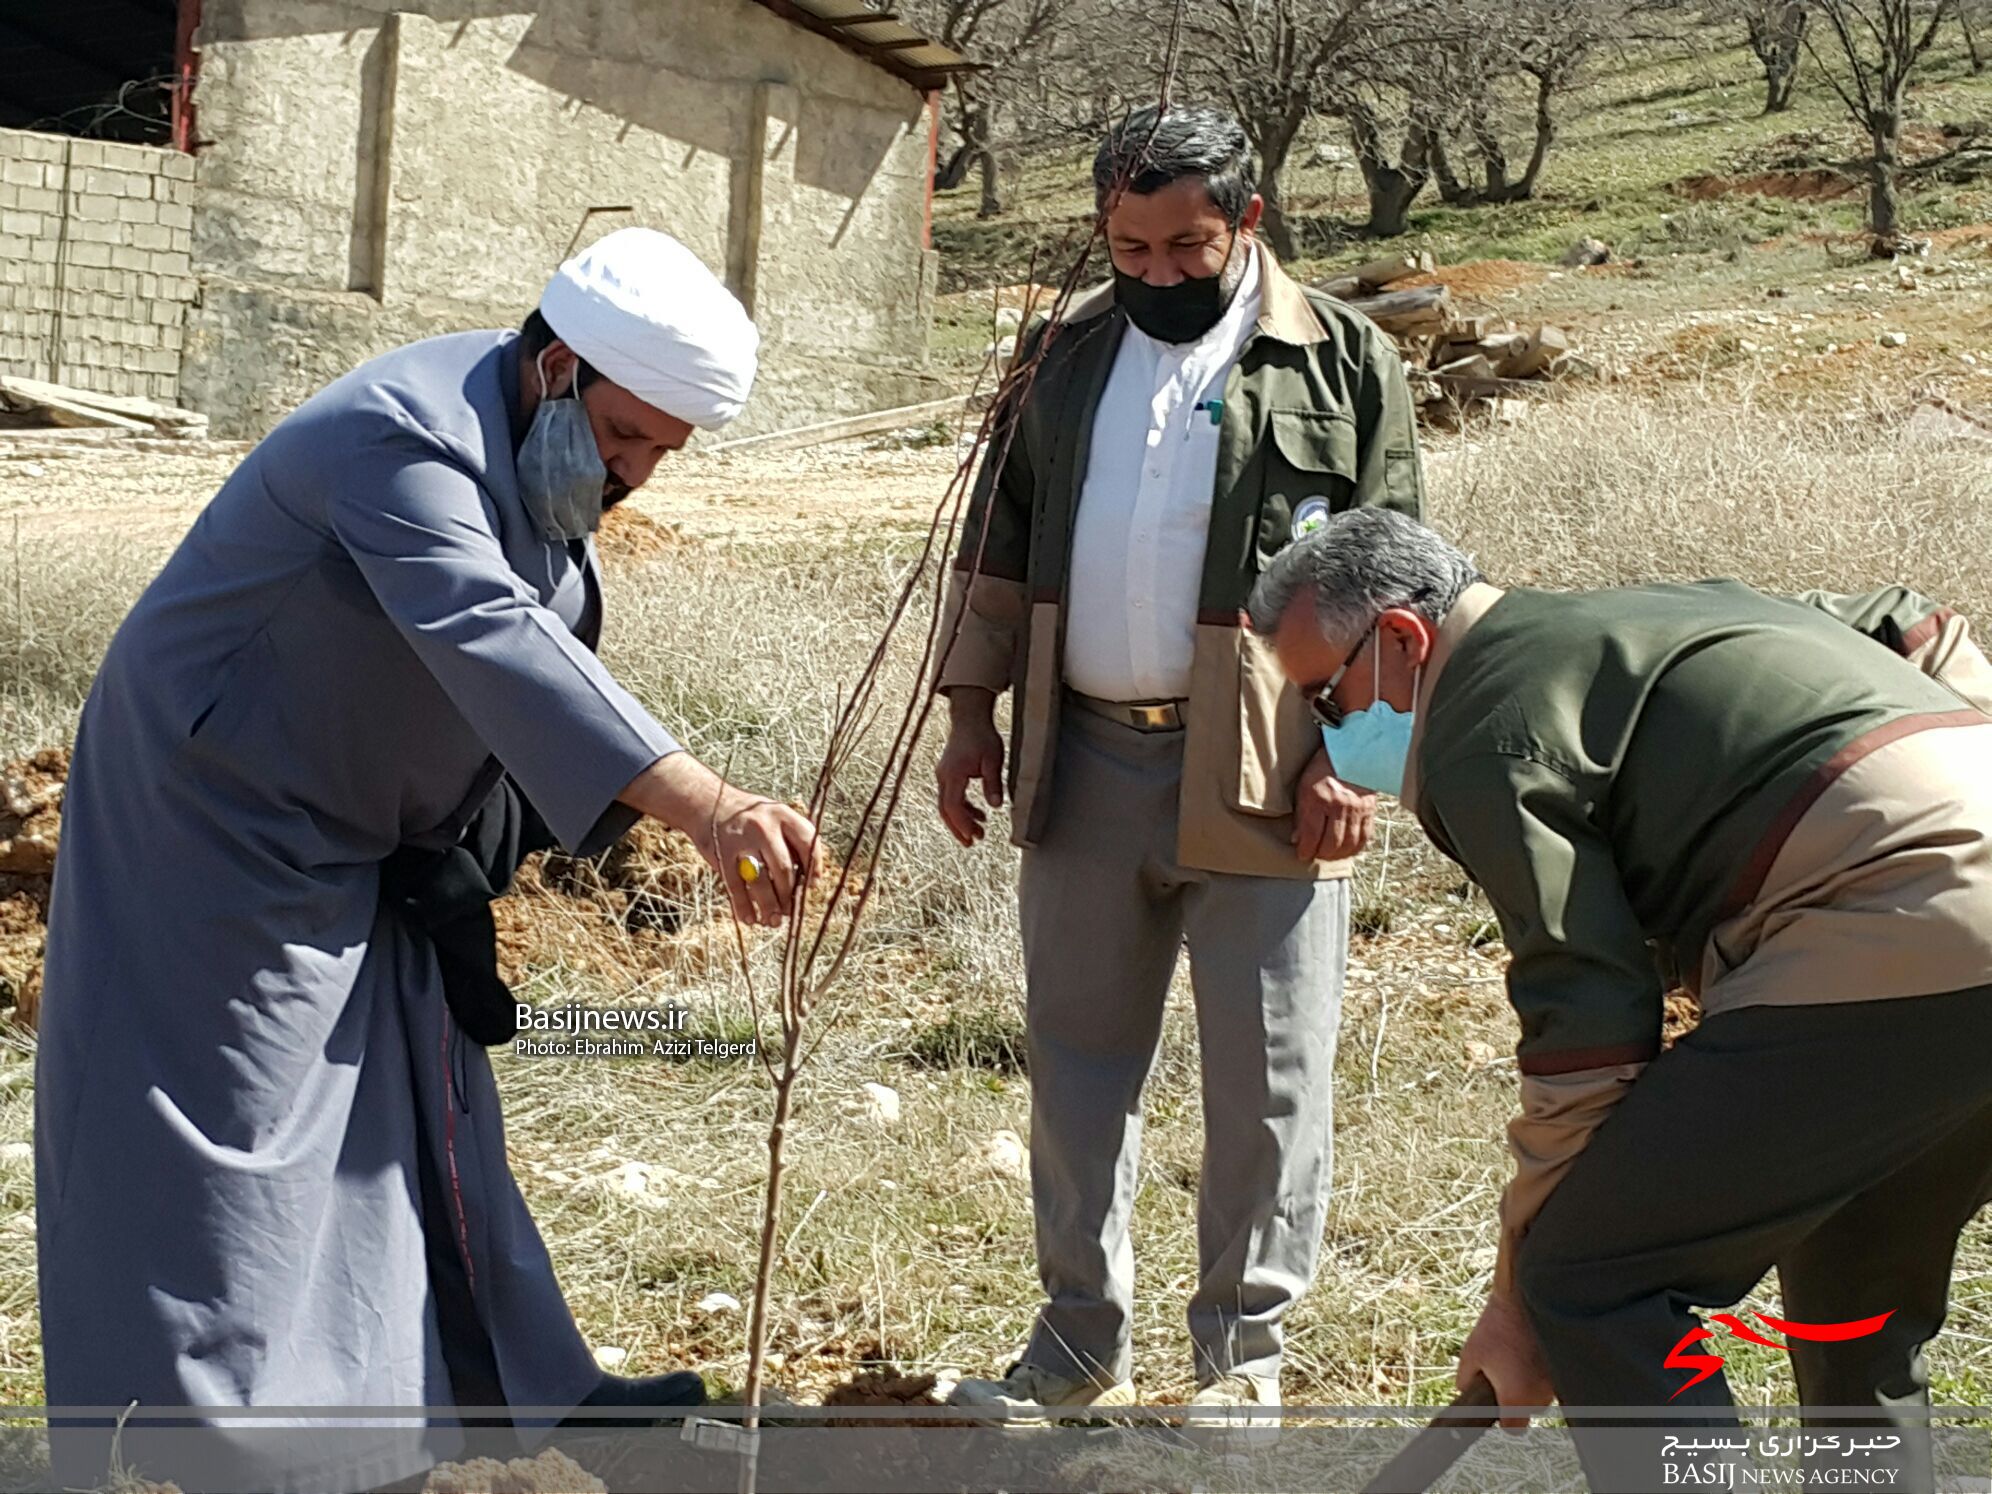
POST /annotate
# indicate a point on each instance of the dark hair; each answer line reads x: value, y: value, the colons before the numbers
x: 536, y: 334
x: 1189, y: 140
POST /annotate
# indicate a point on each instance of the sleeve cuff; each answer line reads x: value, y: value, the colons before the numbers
x: 1558, y: 1116
x: 615, y: 823
x: 981, y: 649
x: 583, y: 810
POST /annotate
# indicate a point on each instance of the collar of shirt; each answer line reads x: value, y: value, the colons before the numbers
x: 1473, y: 604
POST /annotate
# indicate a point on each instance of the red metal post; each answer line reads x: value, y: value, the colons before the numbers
x: 186, y: 69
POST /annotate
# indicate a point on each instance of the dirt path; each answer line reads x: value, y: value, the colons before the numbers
x: 1838, y: 333
x: 150, y: 491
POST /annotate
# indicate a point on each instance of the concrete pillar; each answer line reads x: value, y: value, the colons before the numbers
x: 770, y: 184
x: 368, y: 264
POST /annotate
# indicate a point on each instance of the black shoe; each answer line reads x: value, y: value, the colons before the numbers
x: 683, y: 1388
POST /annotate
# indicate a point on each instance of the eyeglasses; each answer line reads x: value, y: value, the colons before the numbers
x: 1322, y: 701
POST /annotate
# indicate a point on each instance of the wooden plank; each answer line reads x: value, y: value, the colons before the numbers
x: 1342, y: 287
x: 17, y: 390
x: 39, y: 435
x: 1394, y: 267
x: 1545, y: 346
x: 1426, y: 309
x: 1473, y: 366
x: 1479, y: 388
x: 870, y: 424
x: 61, y: 411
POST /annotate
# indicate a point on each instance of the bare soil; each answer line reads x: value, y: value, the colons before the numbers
x: 646, y: 906
x: 30, y: 830
x: 1482, y: 279
x: 1816, y: 185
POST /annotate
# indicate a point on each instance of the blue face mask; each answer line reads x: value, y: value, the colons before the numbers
x: 1371, y: 746
x: 561, y: 476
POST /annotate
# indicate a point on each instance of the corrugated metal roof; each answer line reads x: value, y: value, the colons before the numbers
x: 880, y: 37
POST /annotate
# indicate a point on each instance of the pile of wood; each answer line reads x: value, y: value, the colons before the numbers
x: 1453, y: 360
x: 30, y: 404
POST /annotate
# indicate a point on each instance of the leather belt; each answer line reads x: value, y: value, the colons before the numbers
x: 1142, y: 715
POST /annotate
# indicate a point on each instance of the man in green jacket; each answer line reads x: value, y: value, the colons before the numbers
x: 1182, y: 425
x: 1783, y: 805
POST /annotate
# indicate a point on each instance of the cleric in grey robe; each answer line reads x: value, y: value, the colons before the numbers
x: 270, y: 1166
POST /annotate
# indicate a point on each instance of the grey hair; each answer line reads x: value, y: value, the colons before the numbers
x: 1190, y: 140
x: 1358, y: 564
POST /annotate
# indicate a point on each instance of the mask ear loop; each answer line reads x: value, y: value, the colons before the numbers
x: 539, y: 366
x: 1376, y: 671
x: 1417, y: 679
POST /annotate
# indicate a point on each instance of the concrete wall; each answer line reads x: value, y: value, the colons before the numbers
x: 377, y: 175
x: 95, y: 271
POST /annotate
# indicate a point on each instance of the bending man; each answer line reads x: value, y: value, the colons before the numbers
x: 1780, y: 804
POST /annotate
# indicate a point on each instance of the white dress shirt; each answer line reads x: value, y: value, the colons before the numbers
x: 1144, y: 509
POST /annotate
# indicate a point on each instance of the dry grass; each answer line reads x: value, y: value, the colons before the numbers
x: 911, y: 1244
x: 1611, y: 489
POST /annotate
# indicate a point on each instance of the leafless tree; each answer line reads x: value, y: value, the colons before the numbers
x: 1394, y: 140
x: 1969, y: 14
x: 1022, y: 96
x: 1776, y: 32
x: 1270, y: 62
x: 1500, y: 71
x: 1870, y: 52
x: 1448, y: 82
x: 1463, y: 80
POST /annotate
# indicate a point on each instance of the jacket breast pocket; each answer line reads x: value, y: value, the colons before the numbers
x: 1310, y: 472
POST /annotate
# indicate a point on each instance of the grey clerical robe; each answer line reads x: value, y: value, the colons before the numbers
x: 242, y: 1055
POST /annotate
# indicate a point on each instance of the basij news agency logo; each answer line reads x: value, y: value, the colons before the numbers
x: 1705, y: 1365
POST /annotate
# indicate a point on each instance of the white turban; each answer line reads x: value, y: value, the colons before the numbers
x: 644, y: 311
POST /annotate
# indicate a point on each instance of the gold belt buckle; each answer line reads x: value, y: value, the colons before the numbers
x: 1158, y: 717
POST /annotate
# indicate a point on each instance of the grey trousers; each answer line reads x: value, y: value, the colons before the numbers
x: 1105, y: 908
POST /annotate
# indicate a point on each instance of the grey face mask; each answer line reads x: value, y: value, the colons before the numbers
x: 561, y: 476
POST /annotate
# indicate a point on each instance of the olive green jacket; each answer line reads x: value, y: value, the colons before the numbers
x: 1618, y: 769
x: 1624, y: 771
x: 1317, y: 407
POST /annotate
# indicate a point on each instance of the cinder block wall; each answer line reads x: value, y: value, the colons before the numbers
x: 96, y: 242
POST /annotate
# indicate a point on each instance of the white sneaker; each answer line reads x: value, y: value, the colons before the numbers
x: 1031, y: 1387
x: 1236, y: 1403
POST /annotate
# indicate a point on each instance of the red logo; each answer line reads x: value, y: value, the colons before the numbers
x: 1815, y: 1333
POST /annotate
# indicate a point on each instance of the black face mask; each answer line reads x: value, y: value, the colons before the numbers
x: 1182, y: 312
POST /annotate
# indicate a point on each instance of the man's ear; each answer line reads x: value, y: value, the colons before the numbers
x: 560, y: 363
x: 1409, y: 631
x: 1254, y: 211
